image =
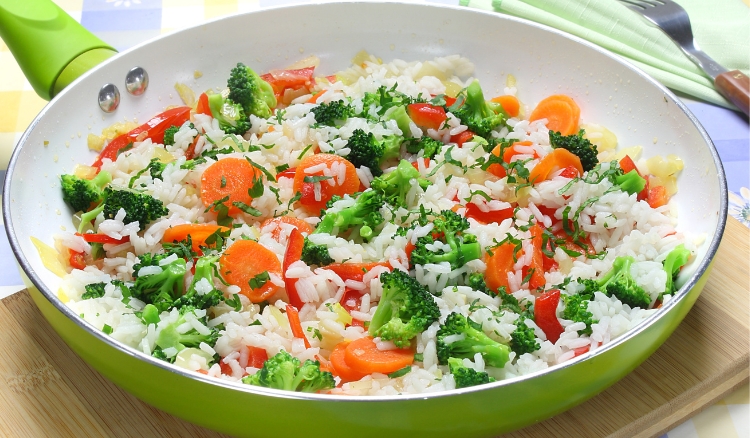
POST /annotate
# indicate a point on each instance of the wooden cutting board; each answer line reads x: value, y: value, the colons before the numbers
x: 46, y: 390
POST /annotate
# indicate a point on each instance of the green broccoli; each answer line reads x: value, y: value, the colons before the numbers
x: 395, y: 185
x: 329, y: 114
x: 169, y: 135
x: 523, y: 339
x: 462, y: 338
x: 449, y: 229
x: 405, y: 309
x: 174, y: 336
x: 384, y: 99
x: 577, y: 145
x: 80, y: 193
x: 676, y: 259
x: 428, y: 145
x: 576, y: 309
x: 284, y: 371
x: 230, y: 115
x: 314, y: 254
x: 204, y: 271
x: 403, y: 121
x: 139, y: 206
x: 476, y: 281
x: 480, y: 116
x: 365, y: 150
x: 160, y: 289
x: 246, y: 88
x: 618, y: 282
x: 465, y: 376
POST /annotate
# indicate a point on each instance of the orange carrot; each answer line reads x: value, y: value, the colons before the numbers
x: 510, y: 104
x: 198, y: 234
x: 561, y: 112
x: 536, y: 268
x: 229, y: 177
x: 363, y: 356
x: 297, y: 223
x: 499, y: 264
x: 497, y: 169
x: 307, y: 189
x: 293, y: 315
x: 243, y: 261
x: 314, y: 97
x: 355, y: 271
x: 557, y: 159
x: 340, y: 367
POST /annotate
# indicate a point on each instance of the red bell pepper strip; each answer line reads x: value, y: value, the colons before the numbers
x: 293, y: 253
x: 355, y: 271
x: 281, y: 80
x: 462, y: 137
x: 76, y: 259
x: 426, y: 115
x: 545, y: 314
x: 154, y: 130
x: 487, y: 217
x: 352, y: 300
x: 257, y: 356
x: 203, y: 106
x: 657, y: 196
x: 102, y: 238
x: 293, y: 315
x: 288, y: 173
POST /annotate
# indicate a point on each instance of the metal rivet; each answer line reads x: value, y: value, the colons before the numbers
x: 109, y: 98
x: 136, y: 81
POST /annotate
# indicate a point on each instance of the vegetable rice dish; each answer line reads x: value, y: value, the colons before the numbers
x: 396, y: 227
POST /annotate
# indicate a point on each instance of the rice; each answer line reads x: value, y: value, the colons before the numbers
x: 589, y: 223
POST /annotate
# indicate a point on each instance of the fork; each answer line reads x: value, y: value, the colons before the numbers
x: 673, y: 20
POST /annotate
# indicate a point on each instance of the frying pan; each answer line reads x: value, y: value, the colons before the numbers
x: 544, y: 61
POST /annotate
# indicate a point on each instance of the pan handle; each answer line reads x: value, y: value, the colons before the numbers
x: 50, y: 46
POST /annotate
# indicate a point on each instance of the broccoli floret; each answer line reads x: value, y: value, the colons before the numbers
x: 449, y: 228
x: 204, y: 274
x: 395, y: 185
x: 676, y: 259
x: 230, y: 115
x: 80, y: 193
x: 313, y: 254
x: 576, y: 309
x: 160, y: 289
x: 462, y: 338
x: 405, y: 309
x: 465, y: 376
x: 93, y: 290
x: 630, y: 182
x: 384, y: 99
x: 329, y: 114
x: 428, y: 145
x: 403, y: 121
x: 172, y: 337
x: 523, y: 340
x: 577, y: 145
x: 139, y: 206
x: 477, y: 114
x: 364, y: 213
x: 476, y: 281
x: 618, y: 282
x: 169, y: 135
x: 250, y: 91
x: 365, y: 150
x: 284, y: 371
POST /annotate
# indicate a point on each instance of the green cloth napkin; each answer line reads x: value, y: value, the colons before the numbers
x: 720, y: 27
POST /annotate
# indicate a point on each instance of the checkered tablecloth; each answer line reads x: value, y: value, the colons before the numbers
x: 124, y: 23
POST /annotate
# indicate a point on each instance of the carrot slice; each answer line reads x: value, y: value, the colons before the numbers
x: 340, y: 367
x: 363, y: 356
x: 497, y: 169
x: 349, y: 185
x: 198, y: 234
x: 536, y: 268
x: 510, y: 104
x: 243, y: 261
x: 229, y: 177
x: 499, y: 264
x: 355, y: 271
x: 561, y: 112
x: 557, y: 159
x: 297, y: 223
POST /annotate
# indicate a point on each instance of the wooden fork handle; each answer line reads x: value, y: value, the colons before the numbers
x: 735, y: 86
